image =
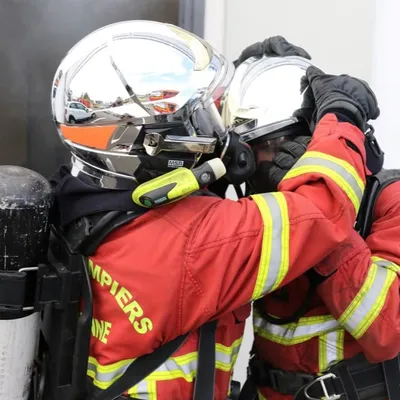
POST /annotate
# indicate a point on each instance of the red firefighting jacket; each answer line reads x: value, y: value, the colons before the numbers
x: 355, y: 310
x: 179, y: 266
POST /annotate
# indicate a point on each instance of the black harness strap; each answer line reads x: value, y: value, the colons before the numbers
x: 249, y: 390
x: 84, y: 237
x: 205, y: 378
x: 354, y: 379
x: 143, y: 366
x: 391, y: 370
x: 375, y: 186
x: 140, y: 369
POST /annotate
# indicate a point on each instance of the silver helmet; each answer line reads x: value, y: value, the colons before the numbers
x: 135, y: 99
x: 263, y: 96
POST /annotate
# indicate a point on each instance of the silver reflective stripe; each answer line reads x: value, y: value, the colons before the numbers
x: 386, y: 264
x: 186, y: 369
x: 178, y: 367
x: 142, y: 390
x: 365, y: 307
x: 226, y: 356
x: 295, y: 333
x: 104, y: 379
x: 334, y: 167
x: 383, y: 263
x: 274, y: 259
x: 331, y: 347
x: 276, y: 243
x: 171, y: 365
x: 226, y: 359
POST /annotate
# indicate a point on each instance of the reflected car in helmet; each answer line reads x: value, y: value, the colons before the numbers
x: 165, y: 107
x: 77, y: 112
x: 162, y: 94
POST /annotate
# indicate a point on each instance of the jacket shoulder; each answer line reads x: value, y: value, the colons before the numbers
x: 186, y: 213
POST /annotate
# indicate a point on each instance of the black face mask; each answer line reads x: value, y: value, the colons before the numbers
x: 260, y: 181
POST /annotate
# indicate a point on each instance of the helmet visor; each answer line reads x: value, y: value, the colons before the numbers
x: 263, y: 96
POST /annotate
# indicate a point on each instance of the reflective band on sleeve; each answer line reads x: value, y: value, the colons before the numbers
x: 146, y: 390
x: 297, y: 332
x: 330, y: 349
x: 184, y: 367
x: 340, y: 171
x: 369, y: 301
x: 260, y: 396
x: 274, y: 259
x: 386, y: 264
x: 226, y: 356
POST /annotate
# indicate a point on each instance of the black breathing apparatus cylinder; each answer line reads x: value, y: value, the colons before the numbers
x: 25, y: 202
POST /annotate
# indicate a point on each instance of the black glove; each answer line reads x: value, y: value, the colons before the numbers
x: 307, y: 110
x: 343, y: 95
x: 289, y: 153
x: 275, y: 46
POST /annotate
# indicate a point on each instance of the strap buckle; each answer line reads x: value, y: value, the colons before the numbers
x: 288, y: 382
x: 321, y: 380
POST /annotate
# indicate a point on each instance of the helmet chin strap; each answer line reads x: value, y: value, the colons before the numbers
x: 238, y: 191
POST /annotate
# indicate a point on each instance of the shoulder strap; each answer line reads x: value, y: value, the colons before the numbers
x: 140, y: 369
x: 375, y: 186
x: 145, y: 365
x: 87, y: 233
x: 205, y: 376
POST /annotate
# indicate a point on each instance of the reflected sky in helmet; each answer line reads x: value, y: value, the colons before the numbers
x: 146, y: 74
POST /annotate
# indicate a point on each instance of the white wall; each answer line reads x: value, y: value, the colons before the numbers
x: 385, y: 78
x: 338, y: 34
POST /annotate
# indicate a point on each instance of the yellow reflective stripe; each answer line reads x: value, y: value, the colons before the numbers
x: 274, y: 259
x: 344, y: 164
x: 184, y: 367
x: 340, y: 171
x: 226, y: 356
x: 387, y: 264
x: 145, y: 390
x: 330, y: 349
x: 294, y: 333
x: 110, y: 367
x: 285, y: 237
x: 369, y: 301
x: 260, y: 396
x: 152, y: 388
x: 104, y: 376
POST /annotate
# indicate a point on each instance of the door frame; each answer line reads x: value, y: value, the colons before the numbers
x: 192, y: 16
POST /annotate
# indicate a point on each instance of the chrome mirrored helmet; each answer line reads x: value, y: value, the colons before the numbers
x: 263, y: 96
x: 135, y: 99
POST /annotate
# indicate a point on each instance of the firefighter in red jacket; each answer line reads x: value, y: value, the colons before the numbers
x: 349, y: 304
x: 202, y: 258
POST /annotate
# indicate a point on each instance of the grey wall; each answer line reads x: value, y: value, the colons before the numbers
x: 34, y: 36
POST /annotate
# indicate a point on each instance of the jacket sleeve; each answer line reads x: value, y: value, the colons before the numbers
x: 240, y: 251
x: 363, y: 295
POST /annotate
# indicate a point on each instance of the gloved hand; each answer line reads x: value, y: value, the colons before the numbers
x: 275, y: 46
x: 289, y: 153
x: 347, y: 97
x: 307, y: 109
